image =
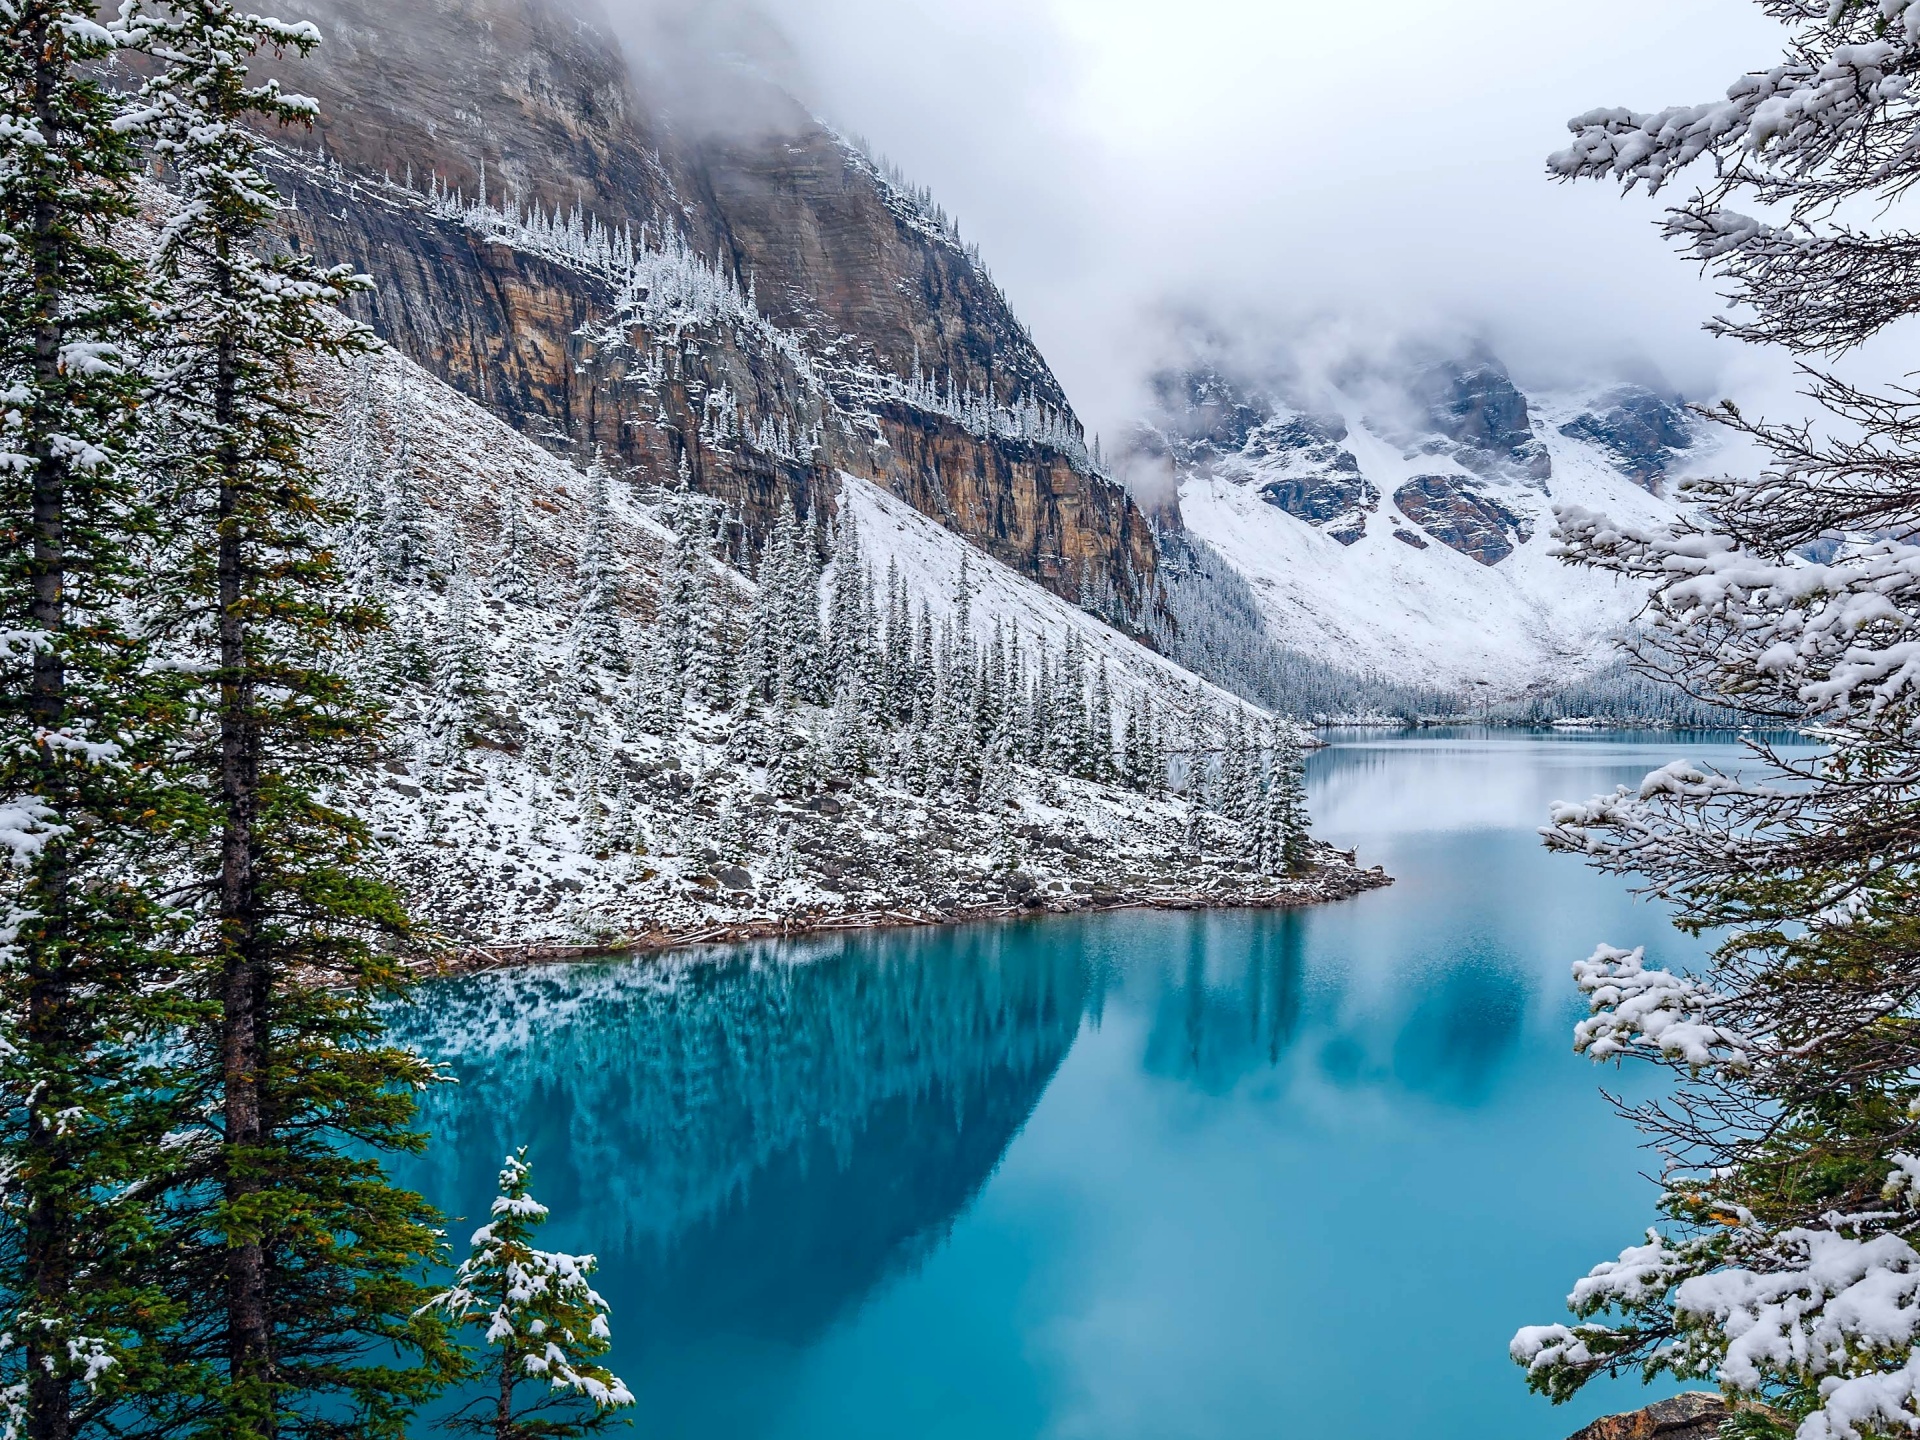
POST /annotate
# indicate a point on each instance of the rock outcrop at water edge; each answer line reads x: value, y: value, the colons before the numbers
x: 1696, y: 1415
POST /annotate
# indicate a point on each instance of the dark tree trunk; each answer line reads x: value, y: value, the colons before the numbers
x: 244, y: 977
x: 49, y: 1239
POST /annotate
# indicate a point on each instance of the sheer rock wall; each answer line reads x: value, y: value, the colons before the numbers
x: 852, y: 282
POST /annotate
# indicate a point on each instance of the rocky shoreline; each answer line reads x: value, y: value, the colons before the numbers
x: 1336, y: 876
x: 1691, y: 1415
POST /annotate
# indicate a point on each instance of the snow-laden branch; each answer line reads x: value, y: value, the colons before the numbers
x: 1634, y: 1008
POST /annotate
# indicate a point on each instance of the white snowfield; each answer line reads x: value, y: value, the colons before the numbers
x: 1435, y: 616
x: 929, y: 556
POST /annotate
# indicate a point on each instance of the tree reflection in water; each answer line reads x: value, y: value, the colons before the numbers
x: 752, y: 1142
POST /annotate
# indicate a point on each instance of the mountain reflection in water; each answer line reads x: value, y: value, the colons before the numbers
x: 760, y: 1142
x: 1131, y: 1175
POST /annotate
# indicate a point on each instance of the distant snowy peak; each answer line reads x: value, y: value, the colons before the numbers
x: 1399, y: 518
x: 1469, y: 432
x: 1644, y: 434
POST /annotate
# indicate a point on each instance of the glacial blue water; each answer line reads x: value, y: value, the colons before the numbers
x: 1134, y: 1176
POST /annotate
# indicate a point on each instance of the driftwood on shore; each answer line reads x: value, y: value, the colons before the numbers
x: 1325, y: 884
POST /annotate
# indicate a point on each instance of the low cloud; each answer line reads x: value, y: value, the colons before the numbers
x: 1272, y: 172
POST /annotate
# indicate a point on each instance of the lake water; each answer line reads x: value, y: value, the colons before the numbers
x: 1133, y: 1176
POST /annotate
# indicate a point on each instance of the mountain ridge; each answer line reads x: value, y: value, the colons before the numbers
x: 517, y: 114
x: 1398, y: 518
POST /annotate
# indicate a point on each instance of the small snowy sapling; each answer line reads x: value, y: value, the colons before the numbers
x: 543, y: 1321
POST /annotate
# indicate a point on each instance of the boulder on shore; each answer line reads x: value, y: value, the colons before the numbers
x: 1695, y: 1415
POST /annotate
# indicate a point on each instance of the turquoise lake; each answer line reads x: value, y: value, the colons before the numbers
x: 1134, y: 1176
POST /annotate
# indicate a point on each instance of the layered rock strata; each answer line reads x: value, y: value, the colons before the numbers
x: 764, y: 302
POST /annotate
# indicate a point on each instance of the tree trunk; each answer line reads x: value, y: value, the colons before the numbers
x: 503, y: 1407
x: 244, y: 977
x: 49, y: 1240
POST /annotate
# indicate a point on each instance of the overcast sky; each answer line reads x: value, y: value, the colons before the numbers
x: 1287, y: 166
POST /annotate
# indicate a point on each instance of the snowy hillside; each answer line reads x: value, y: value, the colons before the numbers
x: 1406, y: 528
x: 930, y: 557
x: 602, y: 733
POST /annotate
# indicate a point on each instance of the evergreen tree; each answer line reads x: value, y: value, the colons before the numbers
x: 1150, y: 763
x: 1239, y: 779
x: 541, y: 1319
x: 721, y: 681
x: 1289, y: 808
x: 296, y: 1258
x: 403, y: 533
x: 897, y: 671
x: 791, y: 763
x: 1785, y: 1261
x: 459, y: 669
x: 87, y: 994
x: 512, y: 577
x: 356, y: 474
x: 1100, y: 727
x: 597, y: 637
x: 1040, y: 726
x: 805, y: 655
x: 1067, y: 739
x: 847, y: 751
x: 847, y: 635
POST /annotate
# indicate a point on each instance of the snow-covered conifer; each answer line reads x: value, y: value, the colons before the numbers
x: 1785, y: 1264
x: 848, y: 742
x: 403, y: 523
x: 355, y: 466
x: 512, y: 577
x: 847, y: 638
x: 805, y: 655
x: 1288, y: 782
x: 1100, y: 726
x: 459, y: 668
x: 597, y: 637
x: 544, y: 1326
x: 86, y: 728
x: 298, y: 1253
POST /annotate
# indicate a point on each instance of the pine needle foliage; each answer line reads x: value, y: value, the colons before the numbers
x: 297, y: 1253
x: 1787, y: 1263
x: 538, y: 1312
x: 84, y: 1105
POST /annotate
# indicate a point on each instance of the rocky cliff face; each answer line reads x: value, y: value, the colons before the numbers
x: 765, y: 302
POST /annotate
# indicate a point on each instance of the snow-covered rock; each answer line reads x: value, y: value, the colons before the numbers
x: 1405, y: 527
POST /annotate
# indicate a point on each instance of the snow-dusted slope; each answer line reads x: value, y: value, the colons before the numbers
x: 929, y: 557
x: 539, y: 788
x: 1420, y: 548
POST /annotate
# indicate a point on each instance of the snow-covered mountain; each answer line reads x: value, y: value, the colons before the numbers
x: 561, y: 774
x: 1399, y: 519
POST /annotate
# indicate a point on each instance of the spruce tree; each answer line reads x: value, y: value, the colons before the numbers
x: 403, y: 524
x: 1100, y: 726
x: 512, y: 577
x: 542, y: 1322
x: 88, y: 1001
x: 597, y: 639
x: 459, y: 669
x: 297, y: 1263
x: 847, y: 635
x: 1784, y: 1263
x: 1288, y: 784
x: 355, y: 466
